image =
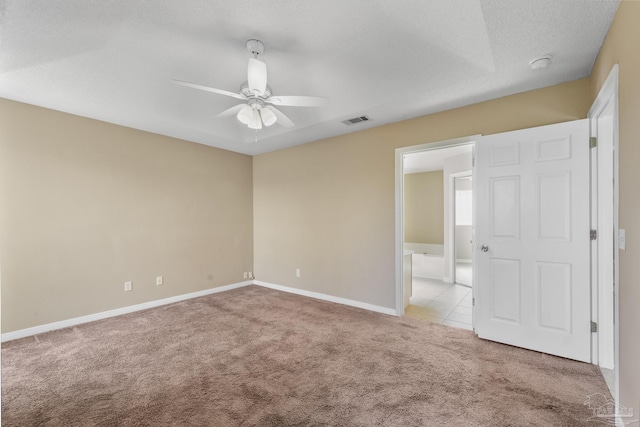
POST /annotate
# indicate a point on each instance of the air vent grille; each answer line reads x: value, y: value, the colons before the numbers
x: 355, y: 120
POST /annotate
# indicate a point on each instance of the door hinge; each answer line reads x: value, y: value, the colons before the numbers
x: 593, y: 142
x: 593, y: 234
x: 594, y: 326
x: 473, y: 161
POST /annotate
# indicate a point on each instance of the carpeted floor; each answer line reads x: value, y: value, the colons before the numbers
x: 258, y: 357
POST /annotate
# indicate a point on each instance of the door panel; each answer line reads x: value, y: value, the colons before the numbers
x: 553, y: 294
x: 505, y: 279
x: 553, y: 192
x: 533, y: 287
x: 505, y: 207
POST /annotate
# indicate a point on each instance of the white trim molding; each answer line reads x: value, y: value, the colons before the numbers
x: 330, y: 298
x: 605, y: 303
x: 116, y: 312
x: 22, y: 333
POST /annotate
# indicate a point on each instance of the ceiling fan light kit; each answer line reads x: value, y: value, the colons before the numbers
x: 245, y: 115
x: 258, y: 110
x: 268, y: 118
x: 256, y: 121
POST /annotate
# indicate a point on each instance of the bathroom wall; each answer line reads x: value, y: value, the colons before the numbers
x: 463, y: 233
x: 424, y: 208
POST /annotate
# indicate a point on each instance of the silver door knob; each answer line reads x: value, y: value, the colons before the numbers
x: 484, y: 248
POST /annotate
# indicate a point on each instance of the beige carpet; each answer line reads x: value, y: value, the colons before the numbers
x: 258, y: 357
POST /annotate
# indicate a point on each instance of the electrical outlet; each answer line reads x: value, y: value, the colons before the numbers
x: 250, y: 275
x: 128, y: 286
x: 159, y: 281
x: 246, y: 275
x: 297, y: 272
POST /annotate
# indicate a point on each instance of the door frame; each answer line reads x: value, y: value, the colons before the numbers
x: 453, y: 207
x: 399, y: 190
x: 607, y: 97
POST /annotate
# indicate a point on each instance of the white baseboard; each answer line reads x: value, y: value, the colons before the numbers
x: 116, y: 312
x: 22, y: 333
x: 329, y: 298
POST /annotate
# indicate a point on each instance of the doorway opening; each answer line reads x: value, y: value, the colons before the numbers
x: 531, y: 216
x: 426, y: 231
x: 463, y: 229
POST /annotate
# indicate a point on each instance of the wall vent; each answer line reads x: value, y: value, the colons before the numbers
x: 355, y: 120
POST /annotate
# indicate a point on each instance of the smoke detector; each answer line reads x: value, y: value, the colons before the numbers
x: 541, y: 62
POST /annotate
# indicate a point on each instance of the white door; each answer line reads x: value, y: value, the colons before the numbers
x: 532, y: 239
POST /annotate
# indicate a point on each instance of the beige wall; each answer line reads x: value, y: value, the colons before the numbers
x: 424, y: 208
x: 328, y: 207
x: 621, y: 47
x: 85, y: 206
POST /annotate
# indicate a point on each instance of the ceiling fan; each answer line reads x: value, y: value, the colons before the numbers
x: 259, y: 110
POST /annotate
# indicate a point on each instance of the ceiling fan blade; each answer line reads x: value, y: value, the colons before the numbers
x: 283, y: 120
x: 231, y: 111
x: 298, y: 101
x: 257, y: 76
x: 211, y: 89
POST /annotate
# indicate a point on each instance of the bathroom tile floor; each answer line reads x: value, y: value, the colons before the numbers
x: 440, y: 302
x: 464, y: 273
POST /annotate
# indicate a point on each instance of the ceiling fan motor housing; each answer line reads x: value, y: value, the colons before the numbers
x: 244, y: 89
x: 256, y: 103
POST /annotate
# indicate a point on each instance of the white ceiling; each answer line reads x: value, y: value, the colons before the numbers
x: 391, y: 60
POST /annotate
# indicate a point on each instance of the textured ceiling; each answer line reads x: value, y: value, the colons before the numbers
x: 391, y: 60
